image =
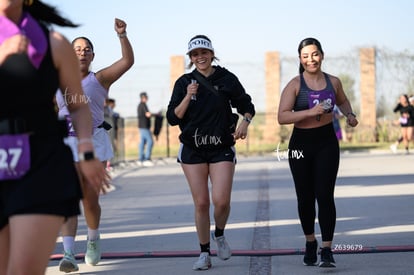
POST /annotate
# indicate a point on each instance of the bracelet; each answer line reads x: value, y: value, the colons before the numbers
x: 85, y: 140
x: 350, y: 113
x: 122, y: 35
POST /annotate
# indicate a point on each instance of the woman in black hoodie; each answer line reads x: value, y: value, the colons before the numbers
x: 201, y: 104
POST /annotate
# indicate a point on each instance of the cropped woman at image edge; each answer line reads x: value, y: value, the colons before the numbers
x: 207, y: 139
x: 44, y: 190
x: 307, y: 101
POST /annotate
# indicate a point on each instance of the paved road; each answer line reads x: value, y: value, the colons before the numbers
x: 148, y: 227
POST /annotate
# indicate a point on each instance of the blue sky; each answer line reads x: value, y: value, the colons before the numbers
x: 241, y: 31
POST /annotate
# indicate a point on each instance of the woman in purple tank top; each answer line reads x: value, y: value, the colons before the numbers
x: 96, y: 86
x: 307, y: 102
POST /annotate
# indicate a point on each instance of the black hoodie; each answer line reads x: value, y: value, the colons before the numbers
x: 207, y: 123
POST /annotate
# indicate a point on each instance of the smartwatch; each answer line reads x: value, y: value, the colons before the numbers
x: 85, y: 156
x: 248, y: 120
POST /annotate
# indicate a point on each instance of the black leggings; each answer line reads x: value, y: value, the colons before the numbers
x: 314, y: 162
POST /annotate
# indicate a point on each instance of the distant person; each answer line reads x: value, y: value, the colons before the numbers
x: 406, y: 121
x: 144, y: 126
x: 39, y: 185
x: 96, y: 86
x: 112, y: 118
x: 307, y: 102
x: 203, y: 111
x: 114, y: 115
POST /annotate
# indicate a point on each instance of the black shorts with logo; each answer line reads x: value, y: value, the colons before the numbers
x: 189, y: 155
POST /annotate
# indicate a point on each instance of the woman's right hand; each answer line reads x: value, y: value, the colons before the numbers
x: 16, y: 44
x: 192, y: 88
x: 95, y: 174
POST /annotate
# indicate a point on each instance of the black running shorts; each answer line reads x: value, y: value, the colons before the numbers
x: 188, y: 155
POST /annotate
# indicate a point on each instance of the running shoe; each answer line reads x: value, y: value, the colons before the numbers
x: 311, y: 253
x: 327, y: 259
x: 223, y: 248
x: 393, y: 148
x: 68, y: 263
x: 203, y: 262
x: 93, y: 252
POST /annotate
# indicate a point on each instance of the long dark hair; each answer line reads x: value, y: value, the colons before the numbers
x: 47, y: 14
x: 306, y: 42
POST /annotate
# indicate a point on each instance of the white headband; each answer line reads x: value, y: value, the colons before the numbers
x: 199, y: 43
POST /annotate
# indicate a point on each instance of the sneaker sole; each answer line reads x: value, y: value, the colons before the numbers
x: 224, y: 258
x: 203, y: 268
x: 91, y: 263
x: 67, y: 267
x: 326, y: 264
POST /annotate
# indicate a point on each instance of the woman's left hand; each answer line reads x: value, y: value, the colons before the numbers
x: 351, y: 120
x: 120, y: 26
x: 241, y: 131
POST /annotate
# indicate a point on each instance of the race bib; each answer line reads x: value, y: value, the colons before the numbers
x: 403, y: 120
x: 14, y: 156
x: 314, y: 98
x: 71, y: 129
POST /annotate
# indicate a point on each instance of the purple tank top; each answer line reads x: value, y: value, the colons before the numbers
x: 95, y: 96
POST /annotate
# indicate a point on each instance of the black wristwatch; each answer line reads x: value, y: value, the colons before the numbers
x: 86, y: 156
x: 248, y: 120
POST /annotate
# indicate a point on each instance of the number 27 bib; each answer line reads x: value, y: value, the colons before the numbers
x: 14, y: 156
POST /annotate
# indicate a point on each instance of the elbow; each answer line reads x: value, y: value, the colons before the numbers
x: 172, y: 118
x: 130, y: 62
x: 128, y: 59
x: 281, y: 119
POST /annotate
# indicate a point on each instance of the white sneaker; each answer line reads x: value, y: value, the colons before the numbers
x: 93, y: 252
x: 393, y: 148
x: 223, y: 248
x: 147, y: 163
x: 203, y: 262
x: 68, y: 263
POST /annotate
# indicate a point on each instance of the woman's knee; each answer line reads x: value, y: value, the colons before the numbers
x: 202, y: 205
x: 222, y: 206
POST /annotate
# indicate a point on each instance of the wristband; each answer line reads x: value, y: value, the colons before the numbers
x: 85, y: 140
x: 122, y: 35
x: 350, y: 113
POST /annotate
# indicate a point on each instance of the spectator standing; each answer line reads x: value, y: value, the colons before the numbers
x: 144, y: 126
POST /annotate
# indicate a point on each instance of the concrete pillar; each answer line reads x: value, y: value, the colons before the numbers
x: 177, y: 69
x: 368, y: 114
x: 272, y: 75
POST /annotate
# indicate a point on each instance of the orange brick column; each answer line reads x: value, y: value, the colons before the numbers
x: 272, y: 71
x: 177, y: 69
x: 368, y: 114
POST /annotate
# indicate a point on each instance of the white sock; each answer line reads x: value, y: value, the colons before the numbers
x: 93, y: 234
x: 68, y: 243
